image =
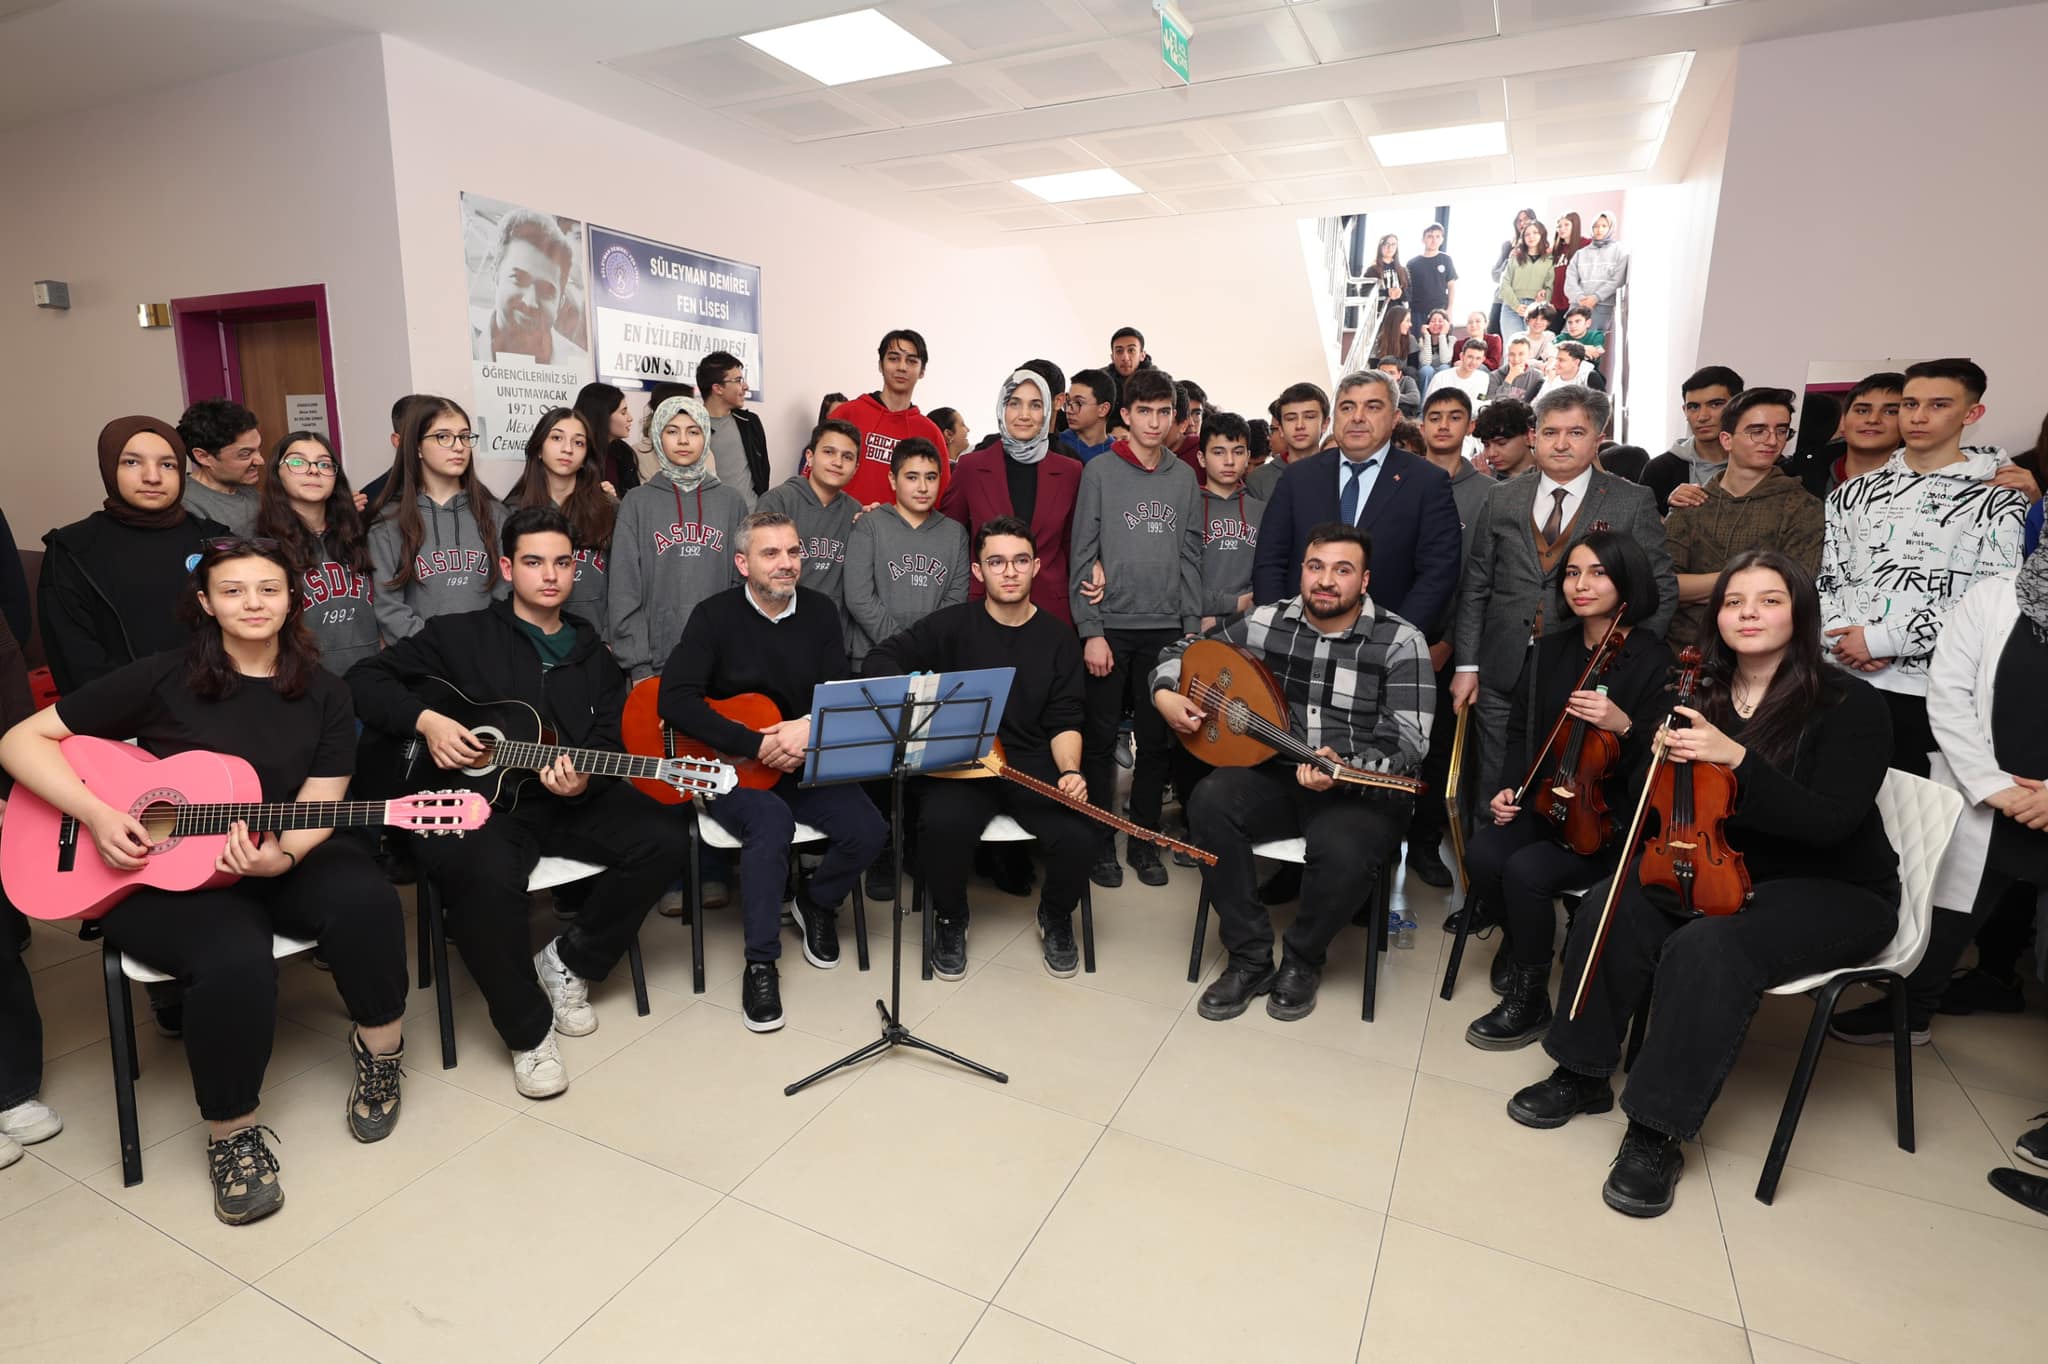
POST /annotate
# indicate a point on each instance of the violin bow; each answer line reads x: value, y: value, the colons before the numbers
x: 1635, y: 832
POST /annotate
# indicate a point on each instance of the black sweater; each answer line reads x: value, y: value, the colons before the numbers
x: 1819, y: 818
x: 1046, y: 693
x: 728, y: 648
x: 109, y: 593
x: 1635, y: 683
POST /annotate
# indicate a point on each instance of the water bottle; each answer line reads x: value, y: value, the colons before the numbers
x: 1400, y: 930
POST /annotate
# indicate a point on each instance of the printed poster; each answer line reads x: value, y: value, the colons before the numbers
x: 529, y: 323
x: 657, y: 310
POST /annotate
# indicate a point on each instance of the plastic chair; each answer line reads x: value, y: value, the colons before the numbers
x: 433, y: 942
x: 1920, y: 817
x: 1379, y: 902
x: 1003, y: 829
x: 714, y: 835
x: 119, y: 970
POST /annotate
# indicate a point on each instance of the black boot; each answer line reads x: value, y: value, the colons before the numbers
x: 1294, y: 990
x: 1555, y: 1101
x: 1234, y: 990
x: 1521, y: 1017
x: 1645, y: 1172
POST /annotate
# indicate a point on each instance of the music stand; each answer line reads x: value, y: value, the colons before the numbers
x: 894, y: 727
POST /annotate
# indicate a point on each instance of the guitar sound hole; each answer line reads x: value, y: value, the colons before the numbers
x: 159, y: 820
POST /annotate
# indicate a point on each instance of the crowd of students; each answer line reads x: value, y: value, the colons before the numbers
x: 1457, y: 511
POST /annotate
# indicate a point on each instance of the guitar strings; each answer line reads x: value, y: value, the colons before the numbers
x: 1284, y: 740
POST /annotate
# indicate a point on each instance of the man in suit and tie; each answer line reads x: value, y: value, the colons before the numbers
x: 1401, y: 500
x: 1509, y: 597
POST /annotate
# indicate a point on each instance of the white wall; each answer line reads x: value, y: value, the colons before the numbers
x: 1879, y: 184
x: 277, y: 175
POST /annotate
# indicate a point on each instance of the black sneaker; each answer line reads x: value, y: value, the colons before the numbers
x: 1976, y: 991
x: 1235, y: 990
x: 1056, y: 931
x: 761, y: 997
x: 1293, y: 996
x: 1126, y: 749
x: 1486, y: 918
x: 1870, y: 1025
x: 244, y: 1171
x: 2028, y: 1190
x: 819, y: 929
x: 2032, y: 1147
x: 1428, y: 866
x: 1107, y: 871
x: 1144, y: 860
x: 880, y: 880
x: 949, y: 948
x: 1645, y: 1174
x: 1555, y: 1101
x: 373, y: 1098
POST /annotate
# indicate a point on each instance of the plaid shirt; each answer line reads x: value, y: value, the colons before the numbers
x: 1367, y: 692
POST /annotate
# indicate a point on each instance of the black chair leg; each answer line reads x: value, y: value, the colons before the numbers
x: 1795, y: 1097
x: 633, y: 959
x: 1201, y: 933
x: 1902, y: 1062
x: 1381, y: 899
x: 128, y: 1031
x: 1087, y: 930
x: 121, y: 1040
x: 696, y: 911
x: 437, y: 936
x: 420, y: 948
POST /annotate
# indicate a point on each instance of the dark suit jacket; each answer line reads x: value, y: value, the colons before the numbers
x: 1504, y: 580
x: 1410, y: 515
x: 979, y: 491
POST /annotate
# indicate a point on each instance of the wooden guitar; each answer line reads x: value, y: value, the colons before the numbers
x: 186, y: 802
x: 1248, y: 720
x: 642, y: 730
x: 995, y: 765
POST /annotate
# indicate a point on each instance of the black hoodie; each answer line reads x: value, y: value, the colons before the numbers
x: 109, y: 593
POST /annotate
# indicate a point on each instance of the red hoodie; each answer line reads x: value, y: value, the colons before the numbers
x: 880, y: 430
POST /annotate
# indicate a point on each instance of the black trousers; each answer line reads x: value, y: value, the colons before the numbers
x: 1520, y: 868
x: 765, y: 821
x: 1348, y: 835
x: 1912, y: 736
x: 216, y: 943
x: 21, y: 1026
x: 1136, y: 653
x: 952, y: 814
x: 644, y: 845
x: 2001, y: 899
x: 1432, y: 817
x: 1709, y: 975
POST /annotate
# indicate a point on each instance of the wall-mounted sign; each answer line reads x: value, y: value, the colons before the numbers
x: 657, y: 310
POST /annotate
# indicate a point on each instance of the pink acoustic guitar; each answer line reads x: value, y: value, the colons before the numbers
x: 52, y: 870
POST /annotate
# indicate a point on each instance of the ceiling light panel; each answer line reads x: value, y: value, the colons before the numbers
x: 1427, y: 145
x: 975, y: 30
x: 1526, y: 16
x: 859, y: 46
x: 719, y: 72
x: 1196, y: 172
x: 1340, y: 30
x: 1477, y: 101
x: 1021, y: 159
x: 1071, y: 187
x: 1249, y: 46
x: 1283, y: 127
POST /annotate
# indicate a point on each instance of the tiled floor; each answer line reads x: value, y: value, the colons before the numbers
x: 1149, y: 1186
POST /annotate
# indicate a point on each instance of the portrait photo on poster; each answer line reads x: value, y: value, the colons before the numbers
x: 529, y: 323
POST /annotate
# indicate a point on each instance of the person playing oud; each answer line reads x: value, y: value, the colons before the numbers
x: 1040, y: 733
x: 1328, y: 647
x: 527, y: 649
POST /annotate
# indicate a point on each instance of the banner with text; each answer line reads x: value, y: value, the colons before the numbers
x: 529, y: 325
x: 659, y: 309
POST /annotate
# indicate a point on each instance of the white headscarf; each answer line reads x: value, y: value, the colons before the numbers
x: 687, y: 477
x: 1032, y: 451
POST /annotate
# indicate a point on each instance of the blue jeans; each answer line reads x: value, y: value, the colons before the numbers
x: 765, y: 821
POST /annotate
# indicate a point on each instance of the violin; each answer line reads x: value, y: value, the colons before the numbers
x: 1689, y: 855
x: 1574, y: 801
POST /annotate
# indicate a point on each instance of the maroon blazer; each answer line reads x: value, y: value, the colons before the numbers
x: 979, y: 491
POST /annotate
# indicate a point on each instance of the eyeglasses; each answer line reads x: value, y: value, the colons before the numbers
x: 448, y: 440
x: 299, y: 465
x: 1758, y: 432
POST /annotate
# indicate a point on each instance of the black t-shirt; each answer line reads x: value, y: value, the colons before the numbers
x: 285, y: 741
x: 1046, y: 695
x: 1429, y: 285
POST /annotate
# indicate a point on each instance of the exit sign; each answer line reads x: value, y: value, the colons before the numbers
x: 1174, y: 32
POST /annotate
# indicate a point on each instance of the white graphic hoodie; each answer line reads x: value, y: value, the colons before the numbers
x: 1902, y: 547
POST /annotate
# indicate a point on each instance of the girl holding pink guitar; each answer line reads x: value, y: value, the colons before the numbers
x: 249, y: 685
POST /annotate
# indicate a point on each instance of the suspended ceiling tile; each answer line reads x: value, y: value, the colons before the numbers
x: 1339, y: 30
x: 1316, y: 189
x: 808, y: 118
x: 1525, y: 16
x: 1444, y: 106
x: 985, y: 198
x: 1479, y: 170
x: 1164, y: 142
x: 1247, y: 46
x: 716, y: 73
x: 1217, y: 198
x: 928, y: 172
x: 1020, y: 159
x: 1313, y: 158
x: 1101, y: 70
x: 1027, y: 219
x: 1577, y: 162
x: 1117, y: 209
x: 1195, y: 172
x: 1290, y: 126
x: 927, y: 97
x: 975, y: 30
x: 1644, y: 124
x: 1577, y: 89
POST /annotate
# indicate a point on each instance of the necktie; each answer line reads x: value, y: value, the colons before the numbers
x: 1347, y: 505
x: 1554, y: 527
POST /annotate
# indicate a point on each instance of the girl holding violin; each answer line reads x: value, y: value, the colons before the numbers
x: 1556, y: 833
x: 1788, y: 753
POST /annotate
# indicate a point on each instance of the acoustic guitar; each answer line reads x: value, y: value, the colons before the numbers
x: 186, y: 803
x: 995, y: 765
x: 1248, y: 721
x: 516, y: 745
x: 643, y: 732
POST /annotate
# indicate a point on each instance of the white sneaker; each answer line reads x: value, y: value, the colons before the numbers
x: 567, y: 991
x: 670, y: 905
x: 540, y: 1074
x: 10, y: 1151
x: 30, y: 1122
